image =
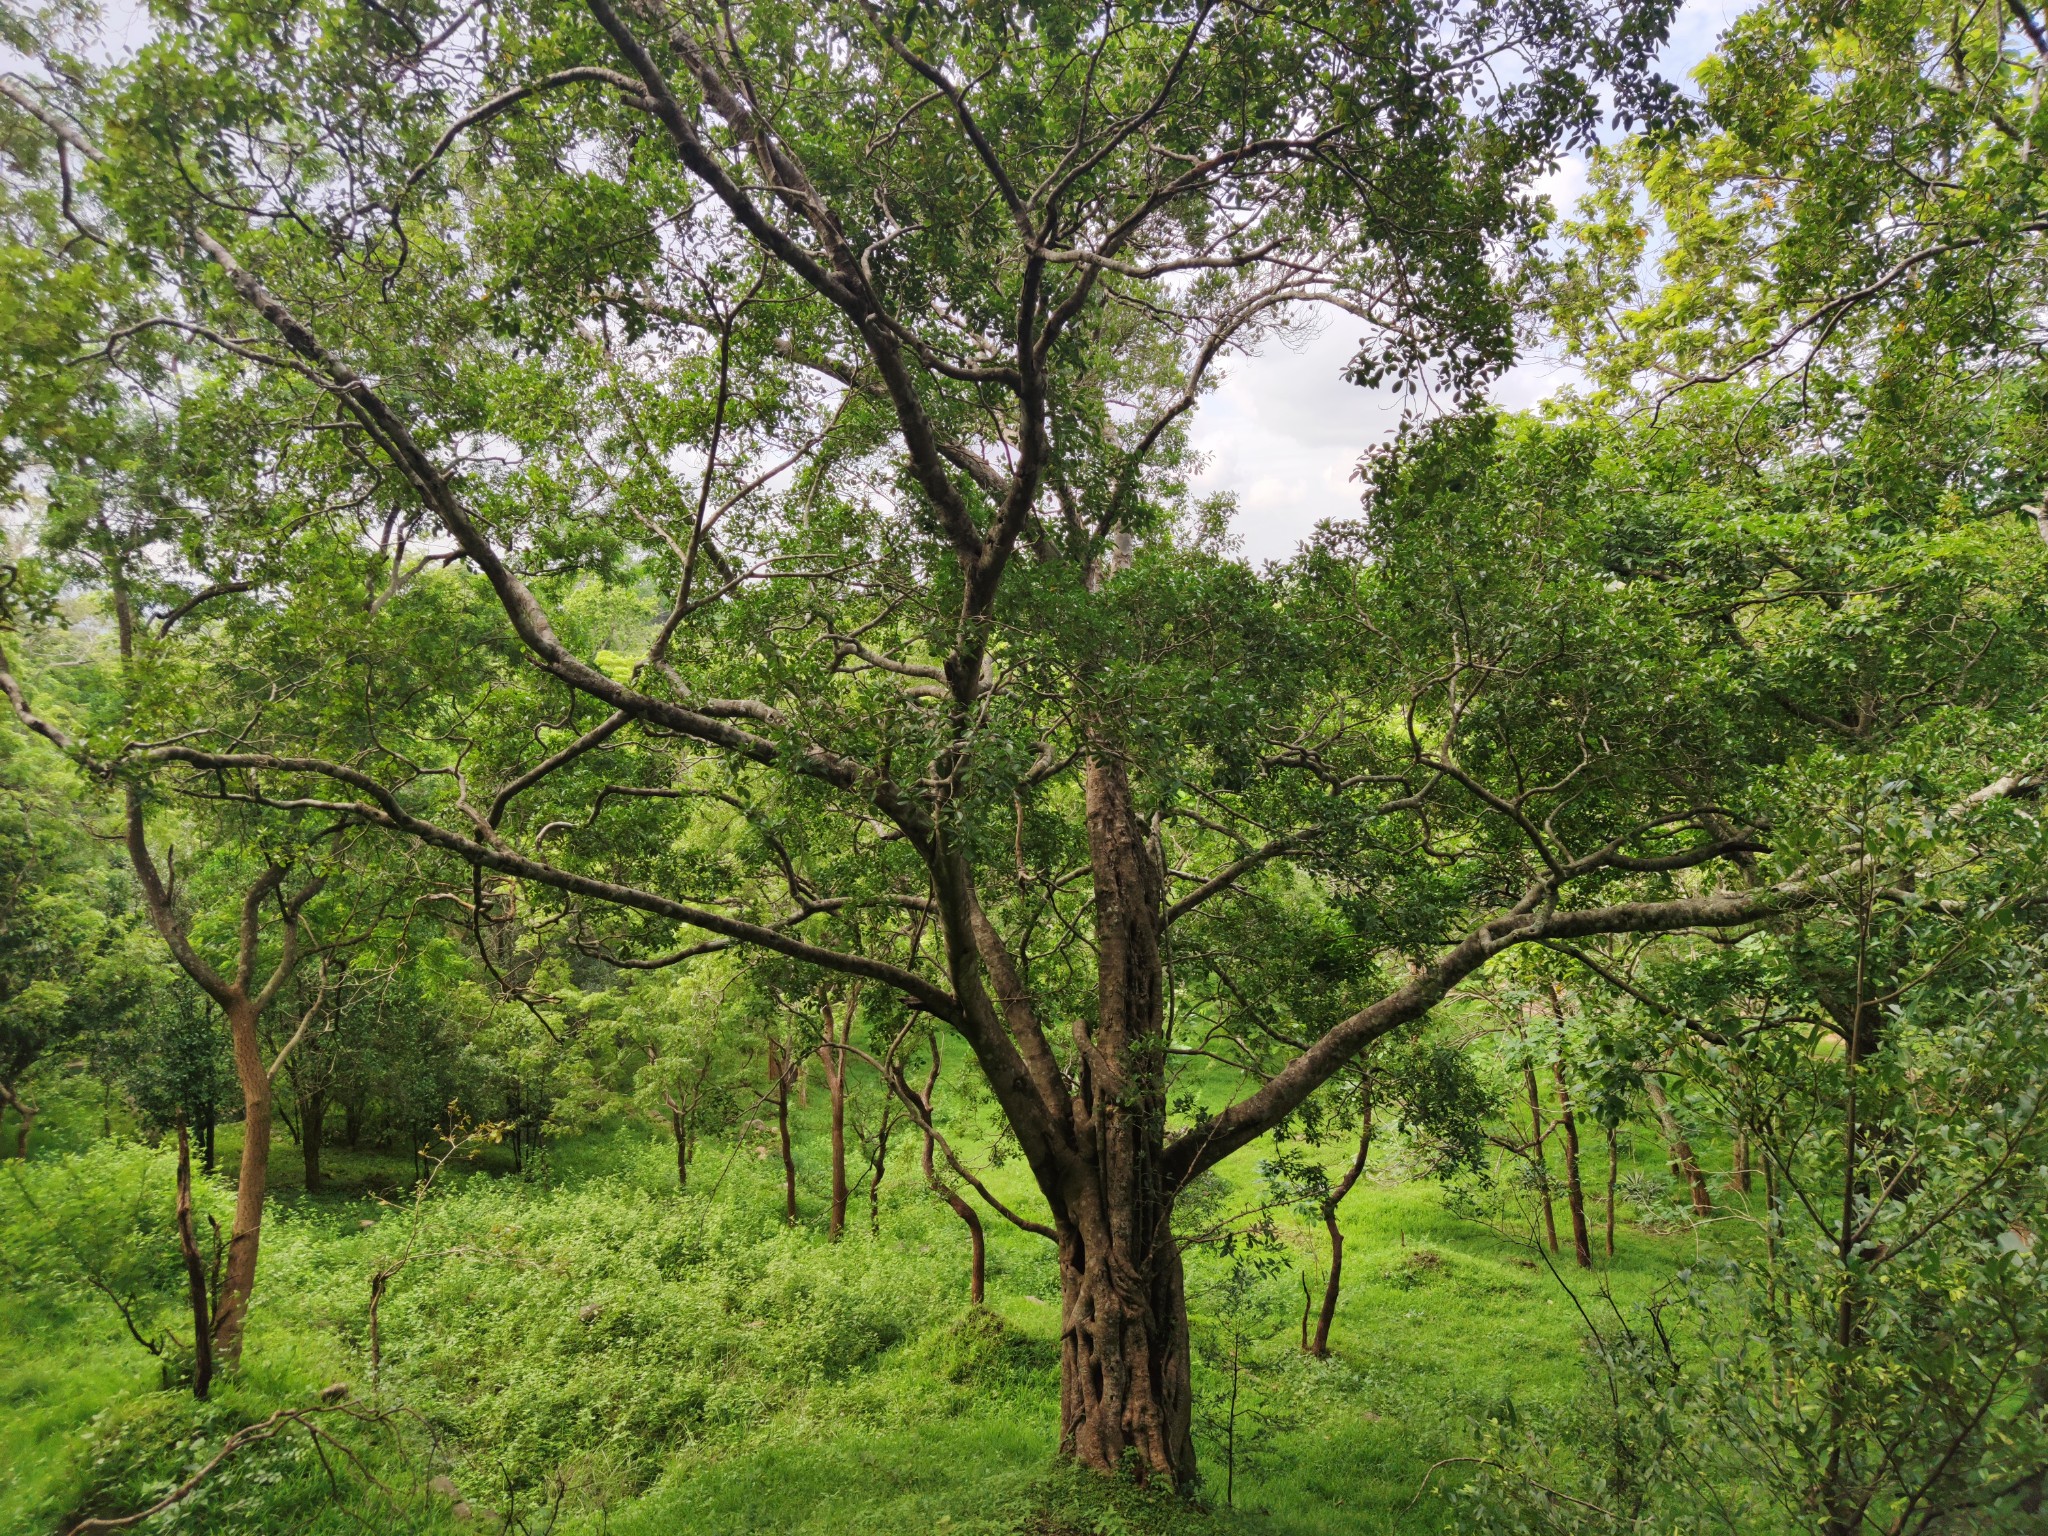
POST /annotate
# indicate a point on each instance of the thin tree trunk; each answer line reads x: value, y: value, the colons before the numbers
x: 1739, y: 1174
x: 312, y: 1134
x: 24, y: 1113
x: 776, y: 1066
x: 1684, y: 1164
x: 1539, y: 1131
x: 1319, y: 1346
x: 195, y: 1273
x: 681, y: 1128
x: 834, y: 1057
x: 231, y: 1317
x: 977, y: 1263
x: 1613, y: 1161
x: 881, y: 1168
x: 1574, y: 1191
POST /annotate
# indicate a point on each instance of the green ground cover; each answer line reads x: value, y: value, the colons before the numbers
x: 584, y: 1348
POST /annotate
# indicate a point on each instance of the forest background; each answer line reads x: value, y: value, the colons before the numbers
x: 663, y: 871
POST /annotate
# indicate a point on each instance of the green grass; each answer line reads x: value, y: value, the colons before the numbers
x: 748, y: 1380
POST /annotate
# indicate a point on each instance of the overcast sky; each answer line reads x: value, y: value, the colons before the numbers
x: 1284, y: 431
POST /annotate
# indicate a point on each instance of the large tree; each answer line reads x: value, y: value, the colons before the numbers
x: 722, y: 472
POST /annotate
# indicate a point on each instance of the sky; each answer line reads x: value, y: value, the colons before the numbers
x: 1284, y: 432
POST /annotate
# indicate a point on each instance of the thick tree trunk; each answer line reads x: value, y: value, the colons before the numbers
x: 1126, y: 1393
x: 231, y: 1315
x: 312, y: 1135
x: 1537, y: 1132
x: 1683, y: 1163
x: 1574, y: 1190
x: 1125, y: 1388
x: 195, y: 1273
x: 1319, y: 1346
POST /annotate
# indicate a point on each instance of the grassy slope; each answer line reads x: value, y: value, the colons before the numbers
x: 948, y: 1428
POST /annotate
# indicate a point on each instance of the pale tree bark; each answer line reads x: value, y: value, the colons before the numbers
x: 243, y: 1001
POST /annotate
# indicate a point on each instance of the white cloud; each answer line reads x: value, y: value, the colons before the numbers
x: 1284, y: 431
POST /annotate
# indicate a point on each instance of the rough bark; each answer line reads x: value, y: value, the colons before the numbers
x: 1319, y: 1346
x: 1125, y: 1385
x: 195, y: 1273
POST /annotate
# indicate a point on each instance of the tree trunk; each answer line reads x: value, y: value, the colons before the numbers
x: 978, y: 1244
x: 978, y: 1262
x: 1613, y: 1170
x: 1125, y: 1384
x: 881, y: 1167
x: 25, y: 1114
x: 312, y: 1132
x: 1320, y: 1345
x: 195, y: 1272
x: 231, y: 1315
x: 352, y: 1123
x: 1574, y: 1191
x: 833, y: 1054
x: 1538, y: 1131
x: 1684, y: 1164
x: 781, y: 1072
x: 1739, y: 1175
x: 681, y: 1127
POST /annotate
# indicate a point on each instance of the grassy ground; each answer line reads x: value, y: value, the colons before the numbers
x: 733, y: 1378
